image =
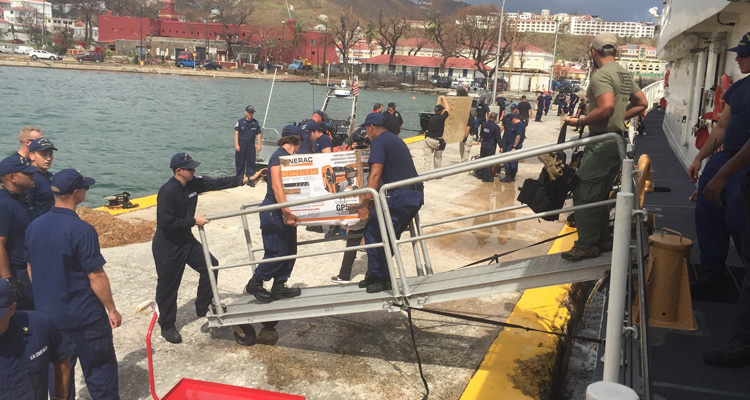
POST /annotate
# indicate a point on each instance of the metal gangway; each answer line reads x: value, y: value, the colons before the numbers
x: 420, y: 286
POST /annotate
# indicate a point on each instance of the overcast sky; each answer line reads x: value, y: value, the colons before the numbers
x: 630, y: 10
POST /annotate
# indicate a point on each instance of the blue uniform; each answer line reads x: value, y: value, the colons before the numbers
x: 519, y: 129
x: 573, y: 102
x: 482, y: 110
x: 539, y: 108
x: 174, y: 245
x: 322, y: 143
x: 41, y: 195
x: 244, y: 160
x: 306, y: 145
x: 490, y: 137
x: 403, y: 203
x: 562, y: 106
x: 31, y: 342
x: 547, y: 102
x: 63, y: 250
x: 15, y: 214
x: 279, y: 239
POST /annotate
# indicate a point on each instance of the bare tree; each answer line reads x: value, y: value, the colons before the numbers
x: 478, y: 33
x: 346, y: 33
x: 391, y: 29
x: 442, y: 29
x: 267, y: 39
x: 421, y: 38
x: 87, y: 10
x: 132, y: 8
x: 232, y: 14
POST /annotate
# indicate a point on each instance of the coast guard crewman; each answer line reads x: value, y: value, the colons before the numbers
x: 247, y: 139
x: 174, y: 245
x: 489, y: 135
x: 71, y: 287
x: 25, y: 136
x: 512, y: 140
x: 29, y: 342
x: 308, y: 126
x: 323, y: 143
x: 41, y: 154
x: 390, y: 161
x: 17, y: 176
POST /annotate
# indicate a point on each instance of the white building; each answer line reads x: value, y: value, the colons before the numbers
x: 589, y: 25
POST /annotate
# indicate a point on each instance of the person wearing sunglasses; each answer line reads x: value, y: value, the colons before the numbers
x: 722, y: 185
x: 174, y: 245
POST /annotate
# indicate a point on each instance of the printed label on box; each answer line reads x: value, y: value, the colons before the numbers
x: 312, y: 175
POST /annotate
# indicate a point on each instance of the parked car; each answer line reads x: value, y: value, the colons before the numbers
x: 434, y: 79
x: 43, y: 54
x: 17, y: 41
x: 211, y: 65
x: 443, y: 82
x: 95, y: 57
x: 300, y: 65
x: 23, y: 49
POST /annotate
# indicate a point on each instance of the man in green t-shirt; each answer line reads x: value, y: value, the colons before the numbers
x: 614, y: 98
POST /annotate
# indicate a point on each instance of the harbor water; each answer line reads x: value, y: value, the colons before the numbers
x: 122, y: 129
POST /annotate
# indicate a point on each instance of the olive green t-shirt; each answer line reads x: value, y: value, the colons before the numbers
x: 612, y: 77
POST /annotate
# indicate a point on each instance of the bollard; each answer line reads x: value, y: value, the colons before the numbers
x: 667, y: 283
x: 610, y: 391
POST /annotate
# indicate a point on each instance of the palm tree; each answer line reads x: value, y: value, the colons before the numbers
x: 296, y: 36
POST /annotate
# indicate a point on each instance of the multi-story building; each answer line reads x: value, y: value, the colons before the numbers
x: 641, y: 61
x: 591, y: 25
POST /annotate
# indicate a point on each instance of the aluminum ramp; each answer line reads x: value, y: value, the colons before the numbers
x: 446, y: 286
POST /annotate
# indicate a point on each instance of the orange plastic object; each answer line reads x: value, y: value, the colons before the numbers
x: 190, y: 389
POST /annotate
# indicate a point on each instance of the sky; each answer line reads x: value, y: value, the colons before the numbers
x: 631, y: 10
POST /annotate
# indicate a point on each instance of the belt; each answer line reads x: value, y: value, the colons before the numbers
x: 731, y: 152
x: 417, y: 187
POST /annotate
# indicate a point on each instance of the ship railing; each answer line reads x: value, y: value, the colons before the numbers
x: 403, y: 282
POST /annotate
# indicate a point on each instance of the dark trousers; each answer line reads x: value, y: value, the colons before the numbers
x: 743, y: 302
x: 715, y: 224
x: 279, y: 240
x: 244, y: 160
x: 485, y: 151
x: 538, y: 114
x: 511, y: 167
x: 572, y: 107
x: 170, y: 259
x: 562, y: 108
x: 96, y: 351
x: 546, y: 107
x: 348, y: 261
x: 403, y: 206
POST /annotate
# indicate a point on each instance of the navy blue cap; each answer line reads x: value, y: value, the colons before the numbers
x: 16, y: 163
x: 183, y: 160
x: 439, y: 108
x: 68, y: 180
x: 291, y: 130
x: 743, y: 45
x: 250, y: 109
x: 321, y: 113
x: 6, y: 297
x: 41, y: 144
x: 514, y: 106
x: 514, y: 115
x: 376, y: 119
x: 392, y: 104
x: 311, y: 126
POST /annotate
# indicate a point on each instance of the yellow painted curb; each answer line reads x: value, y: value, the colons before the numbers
x: 413, y: 139
x: 518, y: 360
x: 143, y: 202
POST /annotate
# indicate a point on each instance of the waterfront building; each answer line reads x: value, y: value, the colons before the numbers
x: 641, y: 60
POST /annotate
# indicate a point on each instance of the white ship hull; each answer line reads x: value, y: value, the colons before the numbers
x: 693, y: 38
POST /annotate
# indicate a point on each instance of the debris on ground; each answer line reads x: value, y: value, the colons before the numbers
x: 115, y: 232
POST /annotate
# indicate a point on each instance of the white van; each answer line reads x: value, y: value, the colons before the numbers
x: 23, y: 49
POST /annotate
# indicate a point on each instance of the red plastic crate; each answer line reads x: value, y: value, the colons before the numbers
x: 191, y: 389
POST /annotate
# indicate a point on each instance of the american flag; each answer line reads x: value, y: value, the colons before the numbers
x: 355, y: 86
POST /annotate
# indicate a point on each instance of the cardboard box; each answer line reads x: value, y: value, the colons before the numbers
x: 312, y: 175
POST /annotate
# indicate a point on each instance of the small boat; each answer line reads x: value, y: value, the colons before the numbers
x: 340, y: 108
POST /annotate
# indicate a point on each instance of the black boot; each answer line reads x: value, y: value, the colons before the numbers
x: 369, y: 280
x: 171, y: 335
x: 280, y: 291
x: 255, y: 287
x: 379, y: 285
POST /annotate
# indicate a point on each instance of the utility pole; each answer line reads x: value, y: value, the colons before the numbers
x: 497, y: 53
x: 554, y: 56
x: 140, y: 49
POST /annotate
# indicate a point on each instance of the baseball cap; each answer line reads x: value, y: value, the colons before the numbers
x: 250, y: 109
x: 16, y: 163
x: 321, y: 113
x: 743, y: 45
x: 68, y: 180
x: 439, y: 108
x: 514, y: 106
x: 291, y: 130
x: 604, y: 39
x: 376, y: 119
x: 41, y: 144
x: 183, y: 160
x: 6, y: 297
x: 514, y: 115
x: 311, y: 126
x: 392, y: 104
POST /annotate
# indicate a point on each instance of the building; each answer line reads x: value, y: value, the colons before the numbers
x: 591, y: 25
x: 422, y: 67
x: 641, y: 61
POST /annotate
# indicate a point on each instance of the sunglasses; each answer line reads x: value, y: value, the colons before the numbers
x: 189, y: 169
x: 743, y: 54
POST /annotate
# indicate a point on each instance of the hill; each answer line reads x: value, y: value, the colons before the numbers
x: 570, y: 47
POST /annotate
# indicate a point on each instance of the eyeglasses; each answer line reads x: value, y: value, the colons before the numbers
x: 743, y: 54
x: 189, y: 169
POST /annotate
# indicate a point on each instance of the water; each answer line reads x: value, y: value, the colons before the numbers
x: 122, y: 129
